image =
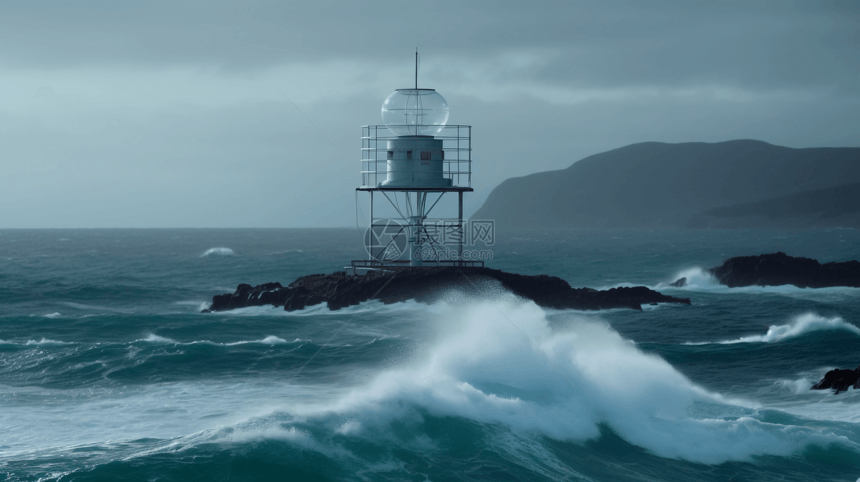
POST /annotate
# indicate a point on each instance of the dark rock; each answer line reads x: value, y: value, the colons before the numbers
x: 840, y: 380
x: 780, y: 269
x: 247, y: 295
x: 680, y: 283
x: 429, y: 284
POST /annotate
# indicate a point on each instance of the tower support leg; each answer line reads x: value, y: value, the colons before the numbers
x: 462, y: 231
x: 370, y: 226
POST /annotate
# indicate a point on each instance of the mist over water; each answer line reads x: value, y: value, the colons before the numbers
x: 109, y: 371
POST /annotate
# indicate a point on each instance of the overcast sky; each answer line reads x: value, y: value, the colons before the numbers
x: 176, y: 114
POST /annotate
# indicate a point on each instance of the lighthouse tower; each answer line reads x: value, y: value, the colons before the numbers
x: 413, y: 160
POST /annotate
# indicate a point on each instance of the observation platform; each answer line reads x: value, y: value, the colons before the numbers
x: 437, y: 163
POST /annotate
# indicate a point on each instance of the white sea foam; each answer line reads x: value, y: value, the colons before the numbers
x: 797, y: 386
x: 290, y: 434
x: 818, y: 404
x: 322, y: 309
x: 218, y: 252
x: 153, y: 338
x: 697, y: 279
x: 800, y: 325
x: 496, y: 362
x: 52, y: 315
x: 269, y: 340
x: 502, y: 363
x: 45, y: 341
x: 350, y: 427
x: 200, y: 305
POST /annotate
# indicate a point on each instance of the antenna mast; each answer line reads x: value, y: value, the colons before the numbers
x: 416, y: 68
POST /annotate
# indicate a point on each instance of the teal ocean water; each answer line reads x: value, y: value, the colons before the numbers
x: 109, y: 372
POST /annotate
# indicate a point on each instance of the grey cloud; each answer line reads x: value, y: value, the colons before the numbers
x: 136, y: 114
x: 755, y: 43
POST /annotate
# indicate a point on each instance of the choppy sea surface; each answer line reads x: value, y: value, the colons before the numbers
x: 109, y: 372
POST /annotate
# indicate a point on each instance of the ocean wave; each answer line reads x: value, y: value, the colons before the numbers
x: 800, y: 325
x: 40, y: 342
x: 700, y: 280
x: 218, y: 252
x: 200, y: 305
x: 697, y: 279
x: 834, y: 293
x: 501, y: 363
x: 496, y: 365
x: 321, y: 309
x: 269, y: 340
x: 793, y: 396
x: 153, y: 338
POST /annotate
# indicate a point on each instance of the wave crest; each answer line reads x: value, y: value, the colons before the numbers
x: 800, y: 325
x: 502, y: 363
x: 153, y: 338
x: 697, y: 278
x: 218, y: 252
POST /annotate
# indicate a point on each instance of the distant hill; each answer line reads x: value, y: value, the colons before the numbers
x: 829, y: 207
x: 732, y: 184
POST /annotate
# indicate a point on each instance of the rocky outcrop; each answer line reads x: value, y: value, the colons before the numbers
x: 840, y: 380
x: 780, y: 269
x: 679, y: 283
x: 431, y: 284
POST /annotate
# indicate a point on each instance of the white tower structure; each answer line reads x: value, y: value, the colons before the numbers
x: 415, y: 157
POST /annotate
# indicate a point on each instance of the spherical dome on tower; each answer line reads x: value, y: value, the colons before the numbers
x: 415, y: 112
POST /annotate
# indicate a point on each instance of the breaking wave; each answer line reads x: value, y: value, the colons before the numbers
x: 218, y: 252
x: 800, y: 325
x: 497, y: 365
x: 153, y: 338
x: 502, y: 364
x: 697, y: 278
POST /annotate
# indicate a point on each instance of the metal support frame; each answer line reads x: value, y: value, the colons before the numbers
x: 457, y: 166
x: 414, y: 217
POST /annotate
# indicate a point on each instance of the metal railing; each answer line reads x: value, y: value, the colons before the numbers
x: 404, y: 263
x: 456, y: 146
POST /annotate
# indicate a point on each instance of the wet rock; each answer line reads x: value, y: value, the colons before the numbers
x: 780, y: 269
x: 430, y: 284
x: 840, y: 380
x: 680, y: 283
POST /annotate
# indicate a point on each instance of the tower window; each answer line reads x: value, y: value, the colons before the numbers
x: 425, y: 155
x: 408, y: 154
x: 391, y: 154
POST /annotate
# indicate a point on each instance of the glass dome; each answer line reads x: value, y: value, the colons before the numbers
x: 415, y: 112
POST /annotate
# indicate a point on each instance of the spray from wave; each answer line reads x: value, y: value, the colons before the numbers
x: 800, y: 325
x: 218, y: 252
x: 502, y: 364
x: 695, y: 278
